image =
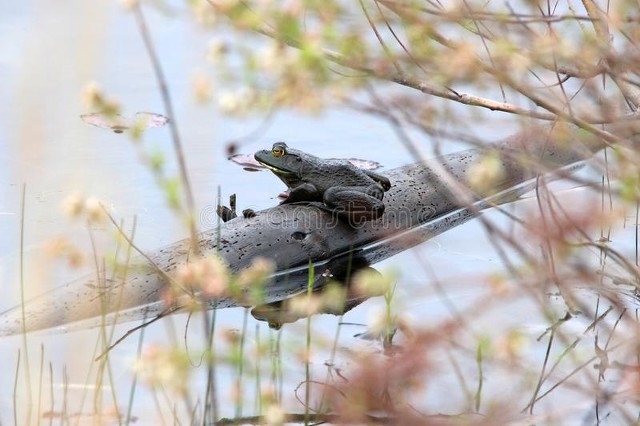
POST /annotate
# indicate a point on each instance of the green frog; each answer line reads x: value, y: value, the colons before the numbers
x: 342, y: 187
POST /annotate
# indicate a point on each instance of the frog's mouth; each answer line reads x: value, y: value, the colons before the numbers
x: 277, y: 170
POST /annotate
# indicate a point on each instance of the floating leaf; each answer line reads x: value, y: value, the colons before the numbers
x: 119, y: 124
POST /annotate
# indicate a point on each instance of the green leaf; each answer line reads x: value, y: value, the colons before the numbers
x: 171, y: 187
x: 288, y: 27
x: 156, y: 161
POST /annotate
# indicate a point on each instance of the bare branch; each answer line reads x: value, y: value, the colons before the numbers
x: 601, y: 27
x: 498, y: 17
x: 175, y: 135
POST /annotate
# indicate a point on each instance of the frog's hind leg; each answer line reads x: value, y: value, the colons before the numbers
x: 303, y: 192
x: 354, y: 204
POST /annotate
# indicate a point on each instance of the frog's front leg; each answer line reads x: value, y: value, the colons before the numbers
x: 357, y: 203
x: 303, y: 192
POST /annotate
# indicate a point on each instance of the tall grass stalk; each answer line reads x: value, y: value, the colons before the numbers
x: 460, y: 376
x: 102, y: 340
x: 275, y: 350
x: 101, y: 284
x: 389, y: 320
x: 39, y: 412
x: 478, y: 397
x: 336, y: 337
x: 134, y: 382
x: 560, y: 382
x: 53, y: 400
x: 114, y: 277
x: 105, y: 362
x: 194, y: 412
x: 534, y: 398
x: 64, y: 413
x: 636, y: 225
x: 124, y: 273
x: 15, y: 389
x: 307, y: 355
x: 607, y: 188
x: 257, y: 372
x: 211, y: 400
x: 156, y: 402
x: 170, y: 402
x: 27, y: 369
x: 87, y: 380
x: 331, y: 362
x: 176, y: 418
x: 173, y: 126
x: 241, y: 361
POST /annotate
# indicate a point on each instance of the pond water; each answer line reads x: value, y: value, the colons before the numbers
x: 49, y: 53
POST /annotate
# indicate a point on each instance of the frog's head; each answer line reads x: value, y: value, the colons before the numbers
x: 285, y: 162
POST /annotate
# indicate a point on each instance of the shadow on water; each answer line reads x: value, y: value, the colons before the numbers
x: 341, y: 274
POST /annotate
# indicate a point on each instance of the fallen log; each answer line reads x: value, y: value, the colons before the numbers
x: 425, y: 199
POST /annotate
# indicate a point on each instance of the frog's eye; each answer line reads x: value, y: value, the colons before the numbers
x: 277, y: 151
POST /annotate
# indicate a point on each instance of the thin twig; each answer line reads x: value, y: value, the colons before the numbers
x: 501, y: 17
x: 408, y: 81
x: 155, y: 266
x: 167, y: 311
x: 23, y: 311
x: 173, y: 126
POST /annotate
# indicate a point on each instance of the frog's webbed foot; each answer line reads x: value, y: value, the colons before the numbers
x: 248, y: 213
x: 225, y: 213
x: 385, y: 182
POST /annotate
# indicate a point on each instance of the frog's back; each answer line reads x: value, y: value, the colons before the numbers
x: 336, y: 172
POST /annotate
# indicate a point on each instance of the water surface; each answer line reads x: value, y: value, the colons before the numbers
x: 49, y: 54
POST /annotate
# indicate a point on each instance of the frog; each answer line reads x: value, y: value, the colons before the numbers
x: 337, y: 185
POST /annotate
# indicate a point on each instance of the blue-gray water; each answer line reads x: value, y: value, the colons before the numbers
x: 50, y: 51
